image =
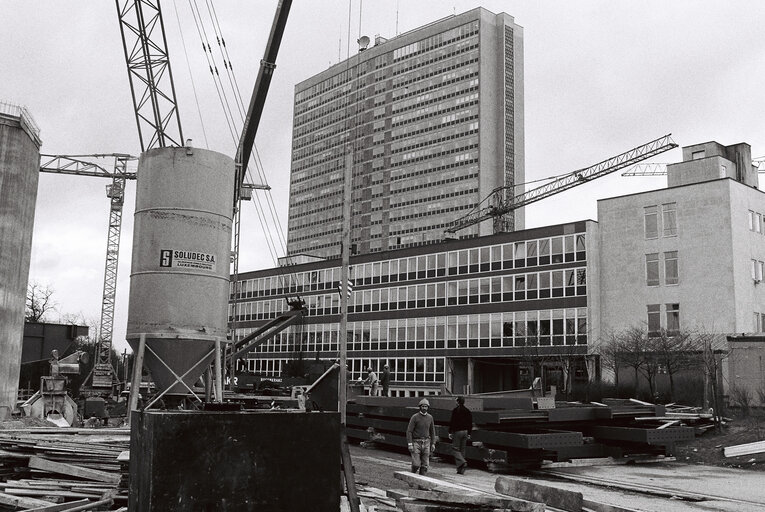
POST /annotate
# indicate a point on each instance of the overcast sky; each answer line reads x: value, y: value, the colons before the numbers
x: 600, y: 78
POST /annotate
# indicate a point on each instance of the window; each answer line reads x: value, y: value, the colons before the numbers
x: 654, y: 318
x: 651, y: 215
x: 673, y: 318
x: 670, y: 268
x: 652, y: 269
x: 695, y: 155
x: 757, y: 268
x: 669, y: 218
x: 751, y: 220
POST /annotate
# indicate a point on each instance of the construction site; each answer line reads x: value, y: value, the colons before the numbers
x: 428, y: 336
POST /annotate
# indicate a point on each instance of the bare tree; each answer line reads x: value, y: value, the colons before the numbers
x: 674, y: 352
x: 713, y: 351
x: 39, y: 302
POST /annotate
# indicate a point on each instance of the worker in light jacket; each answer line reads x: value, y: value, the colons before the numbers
x: 460, y: 428
x: 373, y: 382
x: 421, y: 438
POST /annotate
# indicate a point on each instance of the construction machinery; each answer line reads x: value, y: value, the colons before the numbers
x: 103, y: 376
x: 503, y: 200
x: 52, y: 402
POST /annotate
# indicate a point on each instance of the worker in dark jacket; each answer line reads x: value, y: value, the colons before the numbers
x: 460, y: 428
x: 385, y: 381
x: 421, y: 438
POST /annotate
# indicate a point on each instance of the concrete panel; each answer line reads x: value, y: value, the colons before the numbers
x: 234, y: 461
x: 19, y: 171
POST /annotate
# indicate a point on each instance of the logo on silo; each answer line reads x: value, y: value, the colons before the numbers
x: 165, y: 258
x: 186, y: 259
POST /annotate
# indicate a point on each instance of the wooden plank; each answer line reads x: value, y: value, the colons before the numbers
x: 433, y: 484
x: 744, y: 449
x: 28, y: 491
x: 72, y: 470
x: 59, y: 507
x: 461, y: 498
x: 350, y: 480
x: 570, y: 501
x: 21, y: 501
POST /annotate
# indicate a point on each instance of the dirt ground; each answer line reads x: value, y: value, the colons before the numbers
x: 708, y: 448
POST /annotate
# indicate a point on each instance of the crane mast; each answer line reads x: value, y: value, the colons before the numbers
x: 103, y: 375
x: 498, y: 206
x: 151, y: 78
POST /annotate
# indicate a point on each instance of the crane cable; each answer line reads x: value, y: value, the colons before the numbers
x: 288, y: 282
x: 227, y: 109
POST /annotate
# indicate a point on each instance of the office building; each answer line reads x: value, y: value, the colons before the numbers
x: 404, y: 114
x: 471, y: 315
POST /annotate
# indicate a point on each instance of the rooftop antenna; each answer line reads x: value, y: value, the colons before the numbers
x: 396, y: 17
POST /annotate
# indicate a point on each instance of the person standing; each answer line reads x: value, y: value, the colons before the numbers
x: 385, y: 380
x: 373, y: 382
x: 460, y: 428
x: 421, y: 438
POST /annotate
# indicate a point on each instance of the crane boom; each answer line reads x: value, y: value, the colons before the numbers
x: 151, y: 78
x: 259, y: 93
x: 498, y: 206
x: 102, y: 374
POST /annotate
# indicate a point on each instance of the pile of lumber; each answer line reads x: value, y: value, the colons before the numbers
x: 52, y: 469
x: 699, y: 419
x: 514, y: 433
x: 428, y: 494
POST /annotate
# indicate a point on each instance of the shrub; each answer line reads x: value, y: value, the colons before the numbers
x: 741, y: 398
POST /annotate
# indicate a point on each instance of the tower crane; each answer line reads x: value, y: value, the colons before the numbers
x: 498, y: 206
x: 660, y: 169
x: 103, y: 375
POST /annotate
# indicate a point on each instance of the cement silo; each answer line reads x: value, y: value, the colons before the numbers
x: 179, y: 281
x: 19, y: 171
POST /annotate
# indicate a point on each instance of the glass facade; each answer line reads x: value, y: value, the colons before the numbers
x: 407, y: 110
x: 415, y: 309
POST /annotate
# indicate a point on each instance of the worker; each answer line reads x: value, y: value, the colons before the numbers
x: 460, y: 428
x: 373, y: 382
x: 385, y: 380
x: 421, y: 438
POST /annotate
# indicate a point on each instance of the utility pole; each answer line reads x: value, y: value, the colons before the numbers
x: 345, y: 250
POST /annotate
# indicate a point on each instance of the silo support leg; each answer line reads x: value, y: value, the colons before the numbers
x: 218, y: 373
x: 135, y: 385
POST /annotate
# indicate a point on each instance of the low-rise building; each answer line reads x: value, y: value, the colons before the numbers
x: 472, y: 315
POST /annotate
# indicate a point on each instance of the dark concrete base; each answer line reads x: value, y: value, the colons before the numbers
x: 234, y: 461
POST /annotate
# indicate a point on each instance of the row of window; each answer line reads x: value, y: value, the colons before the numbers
x: 511, y: 255
x: 671, y: 272
x: 435, y: 41
x: 487, y: 290
x: 666, y: 223
x: 402, y: 369
x: 547, y: 327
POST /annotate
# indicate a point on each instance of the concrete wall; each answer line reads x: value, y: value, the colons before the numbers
x: 746, y: 245
x: 746, y: 362
x: 19, y: 171
x: 708, y: 283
